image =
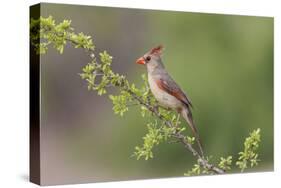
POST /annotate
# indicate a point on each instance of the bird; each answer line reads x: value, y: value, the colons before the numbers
x: 166, y: 91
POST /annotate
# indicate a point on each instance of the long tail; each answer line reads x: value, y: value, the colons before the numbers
x: 187, y: 115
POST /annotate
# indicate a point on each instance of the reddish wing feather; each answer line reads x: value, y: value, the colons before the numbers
x: 175, y: 91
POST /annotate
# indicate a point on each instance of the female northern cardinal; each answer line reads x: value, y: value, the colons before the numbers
x: 166, y: 90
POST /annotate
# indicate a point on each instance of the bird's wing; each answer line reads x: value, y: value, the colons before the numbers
x: 170, y: 86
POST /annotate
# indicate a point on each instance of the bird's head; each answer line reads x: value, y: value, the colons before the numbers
x: 152, y: 59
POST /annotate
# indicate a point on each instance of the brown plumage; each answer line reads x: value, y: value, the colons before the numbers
x: 166, y: 90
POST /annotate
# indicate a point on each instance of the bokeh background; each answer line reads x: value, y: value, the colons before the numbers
x: 223, y: 62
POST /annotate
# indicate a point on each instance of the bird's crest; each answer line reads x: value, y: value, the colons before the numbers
x: 157, y: 50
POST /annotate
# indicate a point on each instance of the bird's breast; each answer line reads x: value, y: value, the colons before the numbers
x: 164, y: 98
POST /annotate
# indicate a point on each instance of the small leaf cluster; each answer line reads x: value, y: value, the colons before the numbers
x: 225, y: 163
x: 190, y: 140
x: 195, y: 170
x: 120, y: 102
x: 156, y: 134
x: 45, y: 32
x: 98, y: 74
x: 128, y: 93
x: 198, y: 169
x: 249, y: 156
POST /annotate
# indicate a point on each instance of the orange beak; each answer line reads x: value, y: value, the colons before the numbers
x: 141, y: 61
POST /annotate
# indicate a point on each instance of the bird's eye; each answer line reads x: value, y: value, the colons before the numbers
x: 148, y: 58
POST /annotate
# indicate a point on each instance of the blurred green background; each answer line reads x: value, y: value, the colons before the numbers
x: 223, y: 62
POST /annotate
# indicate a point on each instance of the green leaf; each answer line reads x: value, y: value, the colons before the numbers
x: 249, y: 154
x: 153, y: 138
x: 225, y: 163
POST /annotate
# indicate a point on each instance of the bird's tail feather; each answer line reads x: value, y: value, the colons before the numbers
x: 187, y: 115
